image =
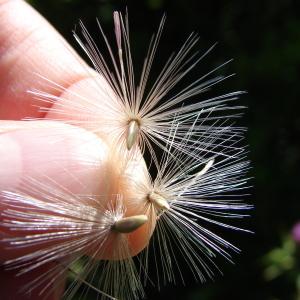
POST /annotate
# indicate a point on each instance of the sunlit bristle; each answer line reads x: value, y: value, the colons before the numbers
x: 193, y: 191
x: 206, y: 168
x: 159, y: 202
x: 129, y: 224
x: 118, y: 32
x: 132, y: 133
x: 119, y: 92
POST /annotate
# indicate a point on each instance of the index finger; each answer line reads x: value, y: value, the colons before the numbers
x: 29, y: 45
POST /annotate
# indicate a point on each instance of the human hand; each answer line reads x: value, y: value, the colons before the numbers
x: 30, y: 46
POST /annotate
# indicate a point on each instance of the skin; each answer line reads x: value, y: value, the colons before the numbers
x: 30, y: 45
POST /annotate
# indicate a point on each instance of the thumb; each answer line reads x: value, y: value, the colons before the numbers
x: 27, y: 150
x: 40, y: 154
x: 46, y: 151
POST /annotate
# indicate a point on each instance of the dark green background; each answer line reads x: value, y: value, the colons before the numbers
x: 263, y: 37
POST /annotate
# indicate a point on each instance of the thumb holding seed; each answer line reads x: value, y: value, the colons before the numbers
x: 73, y: 158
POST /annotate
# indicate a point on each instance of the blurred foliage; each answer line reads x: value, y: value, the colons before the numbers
x: 282, y: 264
x: 280, y: 260
x: 263, y: 36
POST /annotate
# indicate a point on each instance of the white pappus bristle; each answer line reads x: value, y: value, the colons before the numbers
x: 191, y: 193
x: 131, y: 112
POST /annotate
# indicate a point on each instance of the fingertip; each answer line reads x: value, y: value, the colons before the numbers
x: 78, y: 162
x: 31, y: 46
x: 140, y: 239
